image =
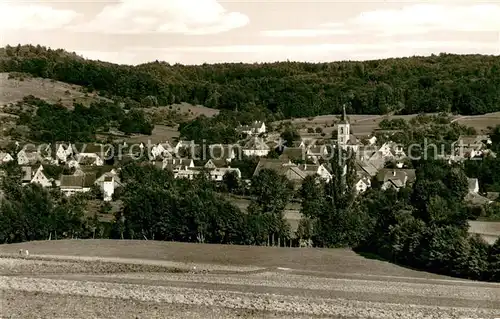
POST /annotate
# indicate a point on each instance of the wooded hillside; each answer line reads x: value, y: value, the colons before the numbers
x: 465, y: 84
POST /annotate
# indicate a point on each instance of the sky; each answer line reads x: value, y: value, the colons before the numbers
x: 216, y: 31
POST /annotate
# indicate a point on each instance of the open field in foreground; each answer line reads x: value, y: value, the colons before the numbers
x: 146, y: 279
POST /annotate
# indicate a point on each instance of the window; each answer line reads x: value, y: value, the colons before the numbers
x: 341, y: 130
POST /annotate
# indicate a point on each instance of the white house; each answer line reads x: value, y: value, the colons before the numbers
x: 90, y: 159
x: 362, y: 184
x: 108, y: 183
x: 5, y: 158
x: 27, y: 156
x: 255, y: 128
x: 63, y: 152
x: 256, y: 147
x: 40, y: 178
x: 163, y: 150
x: 176, y: 164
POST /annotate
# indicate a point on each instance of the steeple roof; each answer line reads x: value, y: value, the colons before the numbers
x: 343, y: 118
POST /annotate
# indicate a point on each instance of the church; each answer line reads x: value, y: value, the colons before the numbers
x: 344, y: 137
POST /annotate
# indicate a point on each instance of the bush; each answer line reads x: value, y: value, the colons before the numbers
x: 310, y: 130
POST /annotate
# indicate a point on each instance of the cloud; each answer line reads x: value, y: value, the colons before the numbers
x: 424, y: 18
x: 33, y: 17
x: 194, y: 17
x: 409, y: 20
x: 304, y: 32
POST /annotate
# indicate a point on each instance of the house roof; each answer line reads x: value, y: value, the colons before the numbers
x: 78, y: 181
x: 280, y: 166
x: 294, y: 153
x: 476, y: 199
x: 396, y: 175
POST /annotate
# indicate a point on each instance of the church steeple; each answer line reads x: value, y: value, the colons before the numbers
x: 344, y: 116
x: 343, y: 129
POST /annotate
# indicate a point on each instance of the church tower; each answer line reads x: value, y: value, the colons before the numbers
x: 343, y: 129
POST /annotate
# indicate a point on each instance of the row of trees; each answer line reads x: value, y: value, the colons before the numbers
x: 465, y: 84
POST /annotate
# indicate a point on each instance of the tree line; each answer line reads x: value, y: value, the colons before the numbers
x: 424, y: 227
x: 465, y: 84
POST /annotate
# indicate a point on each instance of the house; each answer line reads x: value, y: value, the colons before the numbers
x: 366, y: 169
x: 255, y: 128
x: 470, y: 146
x: 395, y: 178
x: 175, y: 164
x: 5, y: 158
x: 256, y: 147
x: 212, y: 164
x: 72, y: 184
x: 63, y: 152
x: 40, y: 178
x: 187, y: 146
x: 473, y: 197
x: 292, y: 172
x: 92, y: 154
x: 162, y: 150
x: 28, y: 155
x: 108, y: 183
x: 362, y: 183
x: 317, y: 152
x: 320, y: 170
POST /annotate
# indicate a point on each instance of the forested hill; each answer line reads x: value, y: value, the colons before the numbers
x: 465, y: 84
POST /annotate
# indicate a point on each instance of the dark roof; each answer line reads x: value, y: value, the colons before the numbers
x: 78, y: 181
x: 394, y: 175
x: 294, y: 153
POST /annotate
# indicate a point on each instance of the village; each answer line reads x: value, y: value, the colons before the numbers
x: 88, y: 166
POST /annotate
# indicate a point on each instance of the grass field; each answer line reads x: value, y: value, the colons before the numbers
x: 146, y: 279
x: 13, y: 90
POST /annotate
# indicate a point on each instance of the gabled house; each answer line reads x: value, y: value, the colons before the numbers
x: 175, y: 164
x: 162, y: 150
x: 5, y: 158
x: 395, y: 178
x: 363, y: 182
x: 184, y: 145
x: 292, y: 172
x: 470, y: 146
x: 92, y: 154
x: 256, y: 147
x: 256, y: 128
x: 72, y: 184
x: 108, y: 183
x: 40, y: 178
x: 28, y: 155
x: 317, y: 152
x: 63, y: 152
x: 320, y: 170
x: 212, y: 164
